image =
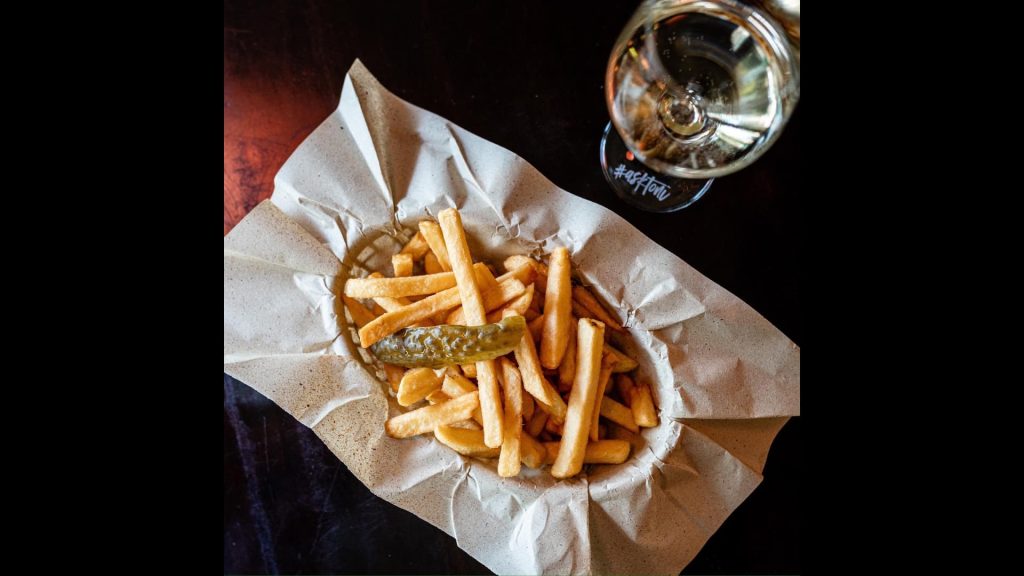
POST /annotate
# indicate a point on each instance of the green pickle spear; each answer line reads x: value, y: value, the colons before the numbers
x: 437, y: 346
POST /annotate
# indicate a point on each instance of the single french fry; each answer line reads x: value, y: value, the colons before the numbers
x: 622, y: 363
x: 589, y: 344
x: 391, y: 322
x: 567, y: 369
x: 552, y: 427
x: 492, y: 300
x: 589, y: 301
x: 416, y: 384
x: 533, y: 452
x: 580, y: 311
x: 360, y: 314
x: 401, y: 264
x: 602, y: 384
x: 557, y: 307
x: 537, y: 423
x: 642, y: 405
x: 511, y: 449
x: 437, y: 397
x: 425, y: 419
x: 416, y: 247
x: 533, y: 378
x: 624, y: 386
x: 469, y: 370
x: 472, y: 303
x: 456, y: 385
x: 389, y: 304
x: 394, y: 375
x: 518, y: 305
x: 432, y: 233
x: 619, y: 414
x: 525, y: 274
x: 394, y: 287
x: 519, y: 260
x: 465, y: 442
x: 467, y: 425
x: 600, y: 452
x: 536, y: 327
x: 431, y: 265
x: 528, y: 407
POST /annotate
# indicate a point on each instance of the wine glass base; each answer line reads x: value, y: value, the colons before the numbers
x: 639, y: 186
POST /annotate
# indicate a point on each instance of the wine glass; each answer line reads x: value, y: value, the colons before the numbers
x: 695, y: 89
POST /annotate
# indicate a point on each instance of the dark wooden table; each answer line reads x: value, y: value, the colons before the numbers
x: 527, y: 75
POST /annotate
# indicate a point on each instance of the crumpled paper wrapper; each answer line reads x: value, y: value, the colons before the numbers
x: 725, y: 380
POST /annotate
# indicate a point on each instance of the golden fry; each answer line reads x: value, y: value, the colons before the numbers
x: 391, y: 322
x: 602, y: 384
x: 465, y: 442
x: 456, y: 385
x: 567, y: 369
x: 533, y: 378
x: 430, y: 264
x: 394, y: 375
x: 416, y: 384
x: 360, y: 315
x: 394, y: 287
x: 589, y: 344
x: 642, y: 405
x: 624, y: 386
x: 619, y: 414
x: 557, y: 308
x: 512, y: 383
x: 437, y: 397
x: 536, y: 327
x: 492, y: 300
x: 527, y: 407
x: 589, y: 301
x: 416, y: 247
x: 469, y: 292
x: 401, y: 264
x: 533, y: 452
x: 600, y: 452
x: 518, y: 261
x: 622, y: 363
x: 427, y: 418
x: 469, y: 370
x: 432, y: 233
x: 537, y: 423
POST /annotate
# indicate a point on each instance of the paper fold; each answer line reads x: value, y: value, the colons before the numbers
x: 724, y: 378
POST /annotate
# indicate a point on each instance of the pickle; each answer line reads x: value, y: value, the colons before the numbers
x: 437, y: 346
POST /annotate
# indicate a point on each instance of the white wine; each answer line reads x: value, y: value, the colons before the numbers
x: 698, y: 89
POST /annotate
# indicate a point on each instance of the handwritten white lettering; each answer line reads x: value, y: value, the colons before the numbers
x: 642, y: 182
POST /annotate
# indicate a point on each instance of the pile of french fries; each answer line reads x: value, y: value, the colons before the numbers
x: 509, y: 408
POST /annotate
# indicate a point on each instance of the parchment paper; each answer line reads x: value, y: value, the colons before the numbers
x: 725, y: 380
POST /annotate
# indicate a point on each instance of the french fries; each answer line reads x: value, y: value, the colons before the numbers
x: 416, y: 384
x: 643, y: 406
x: 427, y: 418
x: 551, y: 401
x: 587, y: 300
x: 394, y: 287
x: 416, y: 247
x: 476, y: 314
x: 401, y: 264
x: 557, y: 307
x: 465, y: 442
x: 589, y: 343
x: 431, y: 231
x: 512, y: 383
